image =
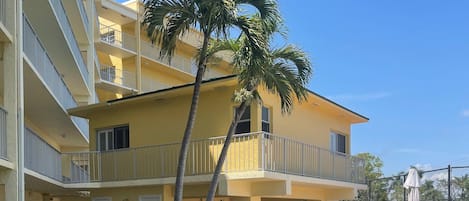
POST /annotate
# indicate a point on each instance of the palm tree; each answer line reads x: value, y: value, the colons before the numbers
x: 167, y: 20
x: 284, y: 72
x: 429, y: 192
x: 462, y: 185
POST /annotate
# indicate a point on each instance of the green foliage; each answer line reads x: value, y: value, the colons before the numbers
x: 373, y: 166
x: 428, y: 192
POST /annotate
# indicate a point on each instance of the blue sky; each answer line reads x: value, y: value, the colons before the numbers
x: 403, y: 64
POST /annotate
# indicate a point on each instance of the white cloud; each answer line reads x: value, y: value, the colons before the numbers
x: 360, y: 97
x: 423, y: 167
x: 465, y: 113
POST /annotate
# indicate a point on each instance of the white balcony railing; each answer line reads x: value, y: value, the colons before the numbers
x: 40, y: 157
x: 117, y: 38
x: 178, y: 62
x: 81, y: 8
x: 3, y: 133
x: 248, y: 152
x: 117, y: 76
x: 38, y: 56
x: 3, y: 10
x: 70, y: 37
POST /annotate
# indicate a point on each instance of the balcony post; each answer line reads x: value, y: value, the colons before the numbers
x: 135, y: 162
x: 302, y: 159
x: 333, y: 164
x: 115, y: 164
x: 262, y: 151
x: 319, y: 162
x: 284, y: 155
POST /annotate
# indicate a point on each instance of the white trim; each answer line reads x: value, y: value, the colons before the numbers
x: 156, y: 197
x: 101, y: 199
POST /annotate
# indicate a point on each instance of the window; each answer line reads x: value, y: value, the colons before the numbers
x: 338, y: 143
x: 244, y: 124
x: 113, y: 138
x: 265, y: 119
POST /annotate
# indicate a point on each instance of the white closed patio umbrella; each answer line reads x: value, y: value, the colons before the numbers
x: 413, y: 183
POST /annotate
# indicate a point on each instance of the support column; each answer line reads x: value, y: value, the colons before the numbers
x: 13, y: 94
x: 90, y: 52
x: 168, y: 193
x: 138, y: 62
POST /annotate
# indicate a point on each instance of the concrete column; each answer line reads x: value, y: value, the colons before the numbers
x: 168, y: 193
x: 13, y: 179
x: 90, y: 54
x: 138, y: 62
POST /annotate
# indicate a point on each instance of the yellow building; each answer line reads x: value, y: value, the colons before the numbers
x: 88, y: 111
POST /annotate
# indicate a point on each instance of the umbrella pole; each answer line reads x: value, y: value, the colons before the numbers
x: 449, y: 183
x: 404, y: 189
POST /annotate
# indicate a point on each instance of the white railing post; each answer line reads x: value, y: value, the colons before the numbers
x: 302, y: 159
x: 284, y: 155
x: 262, y: 142
x: 135, y: 163
x: 319, y: 162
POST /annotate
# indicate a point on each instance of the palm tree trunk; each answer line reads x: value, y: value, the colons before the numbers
x: 221, y: 159
x: 179, y: 186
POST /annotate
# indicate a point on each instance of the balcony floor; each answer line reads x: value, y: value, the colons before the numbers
x: 42, y: 109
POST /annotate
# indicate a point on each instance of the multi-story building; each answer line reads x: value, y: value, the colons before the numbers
x: 89, y: 111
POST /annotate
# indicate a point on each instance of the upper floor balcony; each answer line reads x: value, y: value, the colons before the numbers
x: 52, y: 25
x: 117, y: 80
x: 76, y: 12
x: 43, y: 81
x: 116, y: 42
x: 5, y: 35
x: 252, y: 152
x: 179, y: 63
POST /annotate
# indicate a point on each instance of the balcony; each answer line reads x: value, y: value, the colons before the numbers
x: 248, y: 152
x: 44, y: 79
x: 178, y: 63
x: 3, y: 134
x: 117, y: 80
x: 4, y: 33
x: 40, y: 157
x: 53, y: 27
x: 76, y: 13
x: 116, y: 42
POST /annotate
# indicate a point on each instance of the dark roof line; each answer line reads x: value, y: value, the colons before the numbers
x: 169, y: 89
x: 336, y: 104
x: 222, y: 78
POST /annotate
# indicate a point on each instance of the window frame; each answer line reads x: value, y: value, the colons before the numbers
x: 111, y: 131
x: 269, y: 118
x: 248, y: 109
x: 334, y: 142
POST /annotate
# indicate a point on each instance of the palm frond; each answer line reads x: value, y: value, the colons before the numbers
x: 269, y: 13
x: 167, y: 20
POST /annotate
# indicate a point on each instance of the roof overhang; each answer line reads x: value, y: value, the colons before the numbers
x: 314, y: 99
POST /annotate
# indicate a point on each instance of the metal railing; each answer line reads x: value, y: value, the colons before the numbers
x: 117, y: 76
x: 179, y: 62
x: 288, y: 156
x: 41, y: 61
x: 248, y: 152
x: 117, y: 38
x: 70, y: 37
x: 84, y: 16
x: 41, y: 157
x: 3, y: 133
x: 3, y: 10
